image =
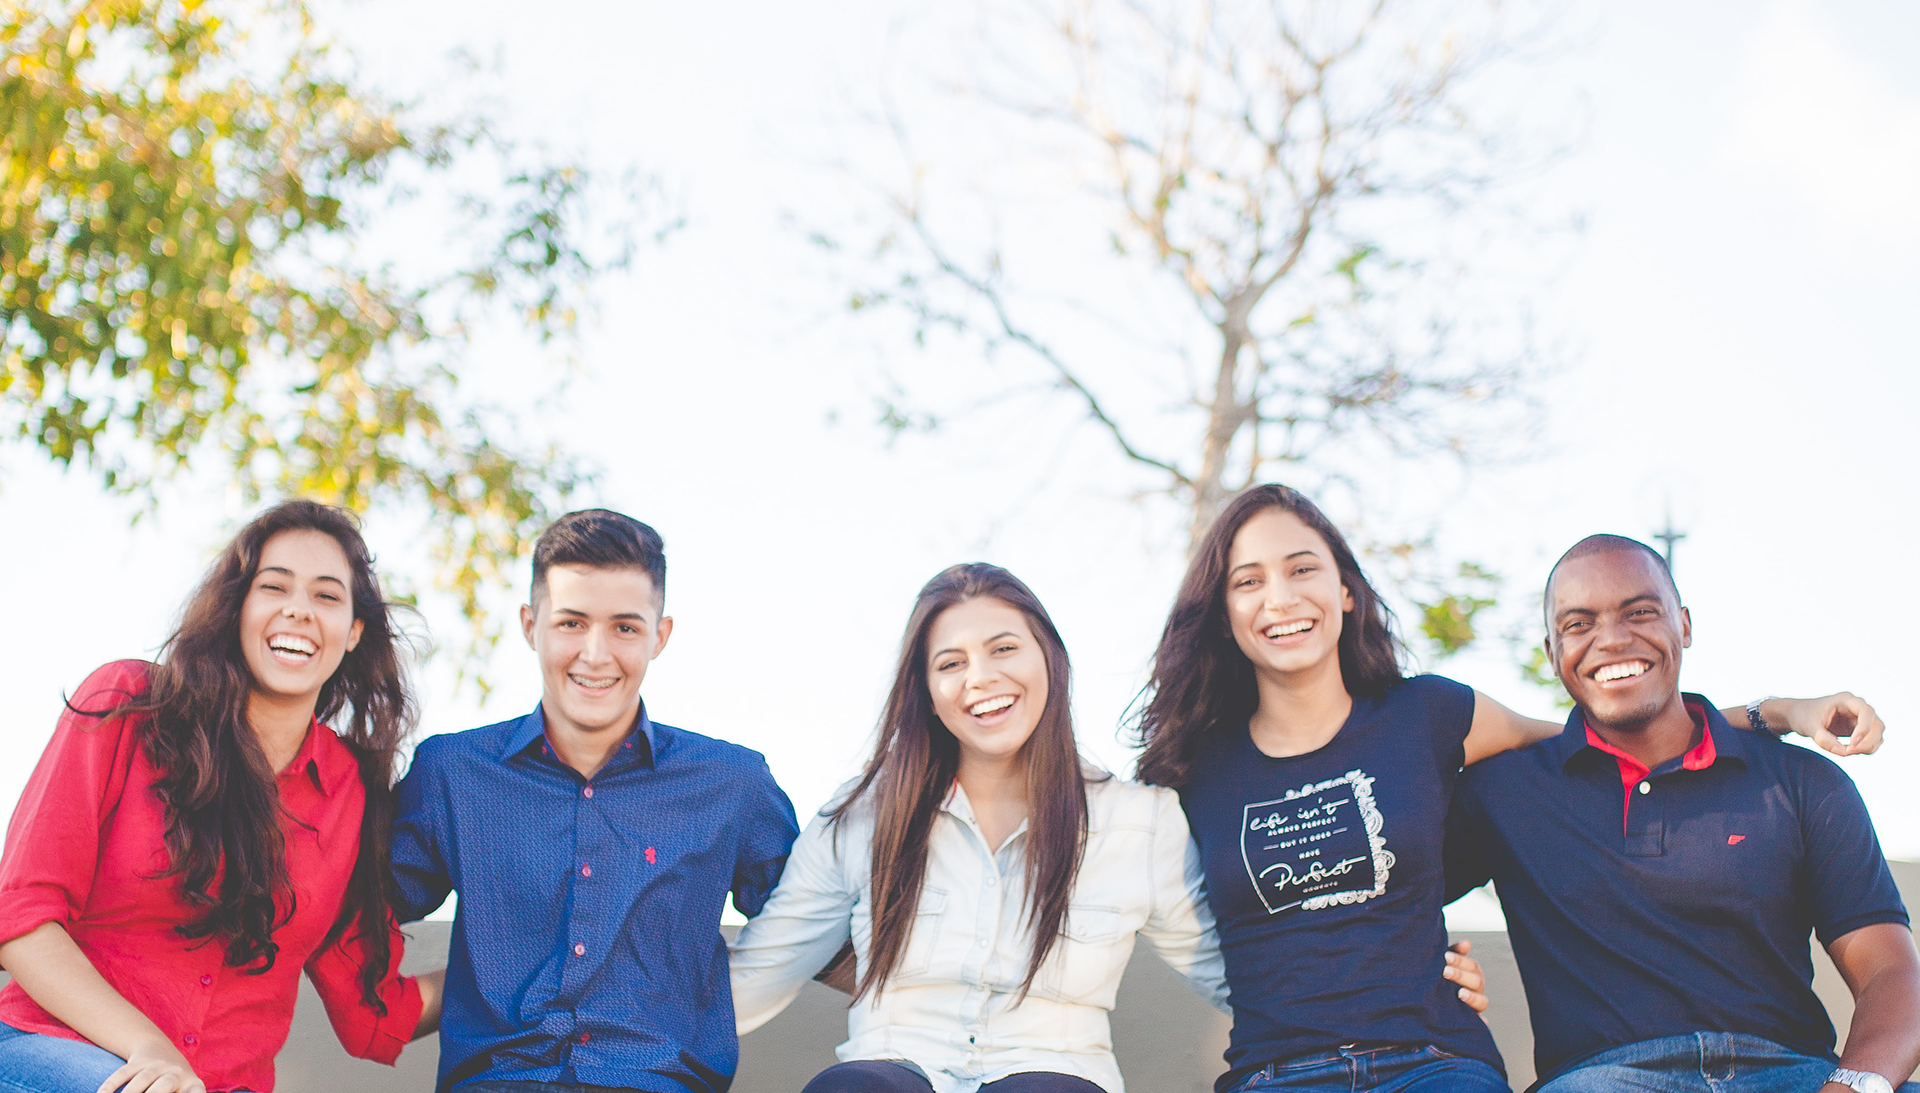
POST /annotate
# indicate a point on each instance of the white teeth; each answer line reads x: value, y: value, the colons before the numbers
x: 291, y: 643
x: 1284, y: 629
x: 1620, y: 671
x: 990, y: 705
x: 593, y: 684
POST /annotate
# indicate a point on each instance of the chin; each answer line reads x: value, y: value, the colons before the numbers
x: 1622, y: 711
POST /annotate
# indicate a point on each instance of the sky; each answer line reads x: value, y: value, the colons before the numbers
x: 1738, y: 308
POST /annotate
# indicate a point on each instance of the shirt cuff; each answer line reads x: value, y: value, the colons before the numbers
x: 24, y: 910
x: 395, y: 1031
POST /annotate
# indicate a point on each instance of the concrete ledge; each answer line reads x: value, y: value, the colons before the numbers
x: 1168, y: 1041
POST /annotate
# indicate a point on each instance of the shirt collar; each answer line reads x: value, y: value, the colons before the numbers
x: 319, y: 758
x: 1718, y: 740
x: 532, y: 729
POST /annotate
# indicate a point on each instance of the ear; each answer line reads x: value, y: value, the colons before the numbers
x: 1346, y: 601
x: 1686, y: 629
x: 1552, y: 660
x: 526, y: 624
x: 353, y: 635
x: 661, y: 633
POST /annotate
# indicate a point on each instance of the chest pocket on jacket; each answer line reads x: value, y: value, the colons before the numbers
x: 1086, y: 961
x: 925, y: 938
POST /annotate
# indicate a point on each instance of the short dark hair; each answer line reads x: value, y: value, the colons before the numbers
x: 600, y: 539
x: 1604, y: 544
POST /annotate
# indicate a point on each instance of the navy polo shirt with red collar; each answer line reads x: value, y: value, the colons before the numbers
x: 1680, y: 905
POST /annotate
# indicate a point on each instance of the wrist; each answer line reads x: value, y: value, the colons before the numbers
x: 1770, y: 715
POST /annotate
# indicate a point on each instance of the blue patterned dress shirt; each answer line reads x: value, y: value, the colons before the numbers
x: 586, y: 942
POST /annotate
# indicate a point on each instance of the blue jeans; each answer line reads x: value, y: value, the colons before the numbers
x: 34, y: 1063
x: 1703, y: 1062
x: 1379, y: 1070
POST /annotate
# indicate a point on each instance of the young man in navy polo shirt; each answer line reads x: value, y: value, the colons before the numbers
x: 592, y: 847
x: 1661, y: 871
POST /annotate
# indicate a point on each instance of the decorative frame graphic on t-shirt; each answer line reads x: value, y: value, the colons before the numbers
x: 1319, y: 846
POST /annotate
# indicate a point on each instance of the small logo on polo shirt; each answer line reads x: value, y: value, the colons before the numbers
x: 650, y: 857
x: 1731, y: 839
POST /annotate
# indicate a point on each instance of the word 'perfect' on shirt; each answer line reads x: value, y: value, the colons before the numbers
x: 586, y: 942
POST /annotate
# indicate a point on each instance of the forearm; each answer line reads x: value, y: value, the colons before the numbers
x: 57, y: 975
x: 1885, y: 1035
x: 433, y: 991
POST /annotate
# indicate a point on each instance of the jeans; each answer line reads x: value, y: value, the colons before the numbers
x: 534, y: 1088
x: 1379, y: 1070
x: 900, y: 1076
x: 31, y: 1062
x: 1703, y: 1062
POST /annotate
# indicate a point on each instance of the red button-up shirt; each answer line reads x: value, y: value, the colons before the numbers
x: 86, y: 842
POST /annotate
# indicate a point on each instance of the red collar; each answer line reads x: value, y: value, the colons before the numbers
x: 1699, y: 757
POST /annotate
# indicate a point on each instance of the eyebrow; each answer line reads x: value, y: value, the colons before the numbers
x: 1628, y: 602
x: 938, y: 653
x: 290, y: 573
x: 622, y: 616
x: 1298, y: 553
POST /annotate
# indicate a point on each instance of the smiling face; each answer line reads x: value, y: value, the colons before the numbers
x: 296, y: 622
x: 1616, y: 631
x: 595, y: 631
x: 1285, y: 601
x: 988, y: 678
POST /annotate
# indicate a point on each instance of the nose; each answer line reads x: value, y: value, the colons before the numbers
x: 981, y: 674
x: 594, y: 649
x: 1611, y: 634
x: 1281, y: 595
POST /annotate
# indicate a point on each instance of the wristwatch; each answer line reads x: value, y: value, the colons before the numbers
x: 1860, y: 1081
x: 1759, y: 723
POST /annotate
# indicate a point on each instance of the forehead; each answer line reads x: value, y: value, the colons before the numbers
x: 306, y: 553
x: 1273, y: 534
x: 976, y: 620
x: 586, y: 590
x: 1605, y: 579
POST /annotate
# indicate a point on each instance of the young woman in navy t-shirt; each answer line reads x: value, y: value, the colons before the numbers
x: 1316, y: 780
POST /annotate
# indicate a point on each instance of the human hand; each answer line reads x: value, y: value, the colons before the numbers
x: 1841, y: 723
x: 154, y: 1068
x: 1465, y: 970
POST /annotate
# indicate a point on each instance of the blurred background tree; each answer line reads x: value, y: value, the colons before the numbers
x: 1301, y: 179
x: 186, y: 192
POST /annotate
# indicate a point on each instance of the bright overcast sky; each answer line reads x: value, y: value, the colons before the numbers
x: 1741, y: 300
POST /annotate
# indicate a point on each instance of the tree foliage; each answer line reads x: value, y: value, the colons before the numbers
x: 186, y: 190
x: 1284, y: 175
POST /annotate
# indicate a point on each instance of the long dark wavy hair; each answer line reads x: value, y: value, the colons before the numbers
x: 1202, y: 684
x: 917, y: 758
x: 222, y: 806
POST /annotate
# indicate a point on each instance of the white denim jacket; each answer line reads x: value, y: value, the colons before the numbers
x: 951, y: 1006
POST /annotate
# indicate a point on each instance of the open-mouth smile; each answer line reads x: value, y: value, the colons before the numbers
x: 1626, y: 669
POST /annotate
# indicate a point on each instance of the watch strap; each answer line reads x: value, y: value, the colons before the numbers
x: 1758, y: 723
x: 1861, y: 1081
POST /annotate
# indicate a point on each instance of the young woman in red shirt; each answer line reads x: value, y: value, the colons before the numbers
x: 195, y: 835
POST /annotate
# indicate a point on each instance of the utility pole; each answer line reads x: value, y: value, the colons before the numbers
x: 1669, y: 537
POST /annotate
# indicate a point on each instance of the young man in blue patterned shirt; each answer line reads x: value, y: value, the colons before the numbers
x: 592, y: 847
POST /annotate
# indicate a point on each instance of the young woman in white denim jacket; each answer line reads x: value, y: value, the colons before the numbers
x: 990, y: 881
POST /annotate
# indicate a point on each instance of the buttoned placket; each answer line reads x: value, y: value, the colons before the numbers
x: 989, y: 918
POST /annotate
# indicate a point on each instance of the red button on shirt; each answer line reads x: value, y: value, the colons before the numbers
x: 579, y: 950
x: 586, y: 870
x: 587, y: 792
x: 87, y: 838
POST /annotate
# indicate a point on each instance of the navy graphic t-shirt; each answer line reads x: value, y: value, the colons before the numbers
x: 1325, y: 874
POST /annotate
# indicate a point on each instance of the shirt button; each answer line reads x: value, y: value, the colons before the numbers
x: 586, y: 870
x: 190, y: 1039
x: 991, y: 881
x: 587, y: 792
x: 206, y: 981
x: 1646, y: 787
x: 579, y: 949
